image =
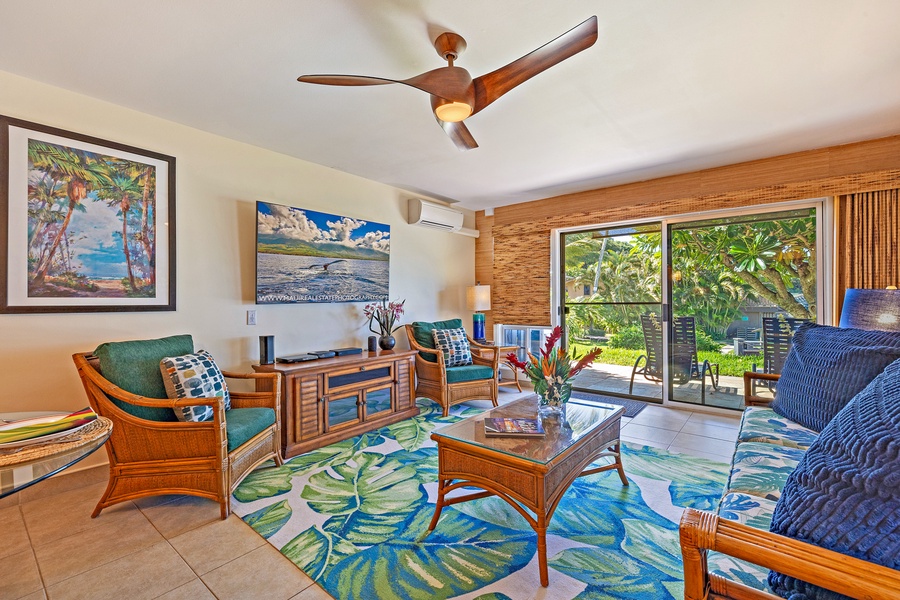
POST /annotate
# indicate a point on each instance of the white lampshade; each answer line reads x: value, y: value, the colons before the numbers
x: 478, y: 297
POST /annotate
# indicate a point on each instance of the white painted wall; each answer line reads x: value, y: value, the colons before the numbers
x: 218, y: 182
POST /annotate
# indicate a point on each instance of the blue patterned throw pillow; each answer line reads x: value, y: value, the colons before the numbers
x: 826, y: 367
x: 194, y: 376
x: 455, y: 346
x: 845, y: 493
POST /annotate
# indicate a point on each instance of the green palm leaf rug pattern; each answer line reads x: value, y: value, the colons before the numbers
x: 353, y: 516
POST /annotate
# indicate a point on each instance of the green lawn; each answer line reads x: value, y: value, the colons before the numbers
x: 729, y: 364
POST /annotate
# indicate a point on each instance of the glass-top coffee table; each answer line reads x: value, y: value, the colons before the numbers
x: 530, y: 472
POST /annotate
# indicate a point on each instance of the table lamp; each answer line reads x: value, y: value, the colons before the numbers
x: 871, y: 309
x: 478, y: 298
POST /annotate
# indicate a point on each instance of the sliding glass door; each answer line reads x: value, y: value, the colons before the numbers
x: 611, y: 288
x: 739, y: 286
x: 736, y: 289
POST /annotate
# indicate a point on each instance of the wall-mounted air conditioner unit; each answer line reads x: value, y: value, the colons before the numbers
x: 430, y: 214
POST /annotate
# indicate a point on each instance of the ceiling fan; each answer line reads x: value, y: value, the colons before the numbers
x: 455, y: 96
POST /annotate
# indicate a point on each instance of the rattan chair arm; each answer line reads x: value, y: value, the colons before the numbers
x: 137, y: 400
x: 750, y: 399
x: 488, y: 356
x: 480, y: 346
x: 486, y: 362
x: 260, y: 398
x: 703, y: 531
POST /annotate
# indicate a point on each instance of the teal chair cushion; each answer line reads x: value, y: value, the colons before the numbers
x: 422, y: 332
x: 134, y: 367
x: 469, y: 373
x: 241, y: 424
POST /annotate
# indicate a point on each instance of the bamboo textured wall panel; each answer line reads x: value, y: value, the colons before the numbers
x: 484, y: 263
x: 868, y: 242
x: 521, y: 233
x: 522, y: 279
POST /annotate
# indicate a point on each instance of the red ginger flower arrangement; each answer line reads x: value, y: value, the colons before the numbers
x: 552, y: 372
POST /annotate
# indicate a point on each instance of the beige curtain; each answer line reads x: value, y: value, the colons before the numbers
x: 867, y: 244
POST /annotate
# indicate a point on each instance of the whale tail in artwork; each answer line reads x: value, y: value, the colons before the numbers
x: 325, y: 266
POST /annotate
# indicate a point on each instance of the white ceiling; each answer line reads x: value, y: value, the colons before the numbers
x: 669, y: 87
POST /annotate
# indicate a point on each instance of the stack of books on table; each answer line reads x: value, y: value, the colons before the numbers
x: 42, y: 429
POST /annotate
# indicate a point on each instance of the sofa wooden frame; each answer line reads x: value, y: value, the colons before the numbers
x: 431, y: 377
x: 702, y: 532
x: 149, y: 458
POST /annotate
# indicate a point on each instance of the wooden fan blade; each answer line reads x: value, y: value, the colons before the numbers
x: 450, y: 83
x: 491, y: 86
x: 459, y: 134
x: 344, y: 80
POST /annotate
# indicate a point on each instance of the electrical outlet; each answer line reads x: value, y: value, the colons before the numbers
x: 251, y: 317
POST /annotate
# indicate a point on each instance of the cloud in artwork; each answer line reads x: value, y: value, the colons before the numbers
x: 292, y: 224
x: 376, y: 240
x: 342, y: 230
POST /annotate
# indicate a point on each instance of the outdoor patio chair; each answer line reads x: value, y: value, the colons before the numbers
x: 686, y: 364
x: 778, y: 333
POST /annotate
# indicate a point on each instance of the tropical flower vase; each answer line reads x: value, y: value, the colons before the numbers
x: 552, y: 372
x: 552, y: 397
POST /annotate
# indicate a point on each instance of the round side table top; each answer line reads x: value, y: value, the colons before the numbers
x: 22, y: 466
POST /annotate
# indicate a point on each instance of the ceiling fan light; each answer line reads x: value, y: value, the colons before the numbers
x: 453, y: 112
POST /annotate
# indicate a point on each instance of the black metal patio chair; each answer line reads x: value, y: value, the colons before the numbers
x: 686, y: 364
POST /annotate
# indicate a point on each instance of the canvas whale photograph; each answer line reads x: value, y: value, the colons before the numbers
x: 309, y: 256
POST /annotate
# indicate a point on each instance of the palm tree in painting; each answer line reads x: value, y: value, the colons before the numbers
x: 148, y: 210
x: 122, y: 190
x: 46, y: 197
x: 82, y: 173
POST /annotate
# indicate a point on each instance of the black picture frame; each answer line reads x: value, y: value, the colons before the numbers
x: 60, y: 195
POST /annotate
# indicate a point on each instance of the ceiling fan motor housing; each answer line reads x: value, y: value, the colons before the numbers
x: 456, y: 99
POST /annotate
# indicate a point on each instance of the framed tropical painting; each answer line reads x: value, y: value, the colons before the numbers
x: 87, y: 225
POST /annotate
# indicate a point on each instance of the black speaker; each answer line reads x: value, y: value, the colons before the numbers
x: 266, y: 349
x: 373, y: 343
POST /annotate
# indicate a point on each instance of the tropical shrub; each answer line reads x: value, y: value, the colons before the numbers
x: 706, y: 343
x: 631, y: 338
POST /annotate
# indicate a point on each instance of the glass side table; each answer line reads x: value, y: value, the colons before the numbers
x: 23, y: 466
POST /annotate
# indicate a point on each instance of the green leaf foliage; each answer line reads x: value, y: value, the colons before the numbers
x: 338, y: 452
x: 461, y: 555
x: 265, y: 483
x: 369, y: 497
x: 611, y: 575
x: 411, y: 433
x: 269, y: 519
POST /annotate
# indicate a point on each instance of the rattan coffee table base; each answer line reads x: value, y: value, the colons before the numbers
x: 521, y: 482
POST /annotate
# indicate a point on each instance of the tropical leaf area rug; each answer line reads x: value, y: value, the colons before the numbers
x: 353, y: 516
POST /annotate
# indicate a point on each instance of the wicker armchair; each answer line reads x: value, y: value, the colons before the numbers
x: 149, y: 458
x: 432, y: 379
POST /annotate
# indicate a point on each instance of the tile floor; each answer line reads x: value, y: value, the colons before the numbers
x: 176, y: 547
x: 167, y: 547
x: 699, y: 434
